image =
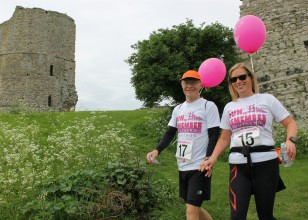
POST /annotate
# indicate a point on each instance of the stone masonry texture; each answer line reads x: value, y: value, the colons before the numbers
x: 37, y: 60
x: 281, y: 64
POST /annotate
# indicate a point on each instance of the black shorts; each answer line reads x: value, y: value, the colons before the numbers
x: 194, y: 187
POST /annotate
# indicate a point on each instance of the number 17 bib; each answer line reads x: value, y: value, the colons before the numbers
x: 184, y: 150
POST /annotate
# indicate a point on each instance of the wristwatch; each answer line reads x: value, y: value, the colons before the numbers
x: 293, y: 139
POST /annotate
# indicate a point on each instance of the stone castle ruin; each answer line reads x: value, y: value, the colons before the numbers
x: 37, y: 60
x: 281, y: 64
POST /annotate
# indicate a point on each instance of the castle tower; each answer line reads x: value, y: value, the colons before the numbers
x: 281, y: 64
x: 37, y: 60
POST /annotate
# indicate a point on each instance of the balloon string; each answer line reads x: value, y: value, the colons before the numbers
x: 251, y: 62
x: 201, y: 91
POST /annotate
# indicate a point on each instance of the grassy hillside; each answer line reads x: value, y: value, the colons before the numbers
x: 38, y: 148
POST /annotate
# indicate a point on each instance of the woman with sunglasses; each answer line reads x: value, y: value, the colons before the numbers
x: 246, y: 126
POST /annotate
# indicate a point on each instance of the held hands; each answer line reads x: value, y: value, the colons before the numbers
x: 151, y: 157
x: 208, y: 166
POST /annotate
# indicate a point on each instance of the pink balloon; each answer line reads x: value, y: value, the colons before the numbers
x: 249, y: 33
x: 212, y: 72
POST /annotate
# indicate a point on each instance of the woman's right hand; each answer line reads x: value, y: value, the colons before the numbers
x: 151, y: 156
x: 207, y: 166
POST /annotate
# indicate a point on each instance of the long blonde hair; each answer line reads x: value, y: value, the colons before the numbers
x: 246, y: 66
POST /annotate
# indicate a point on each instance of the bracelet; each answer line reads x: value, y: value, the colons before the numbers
x: 207, y: 158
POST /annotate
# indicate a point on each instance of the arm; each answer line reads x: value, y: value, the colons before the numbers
x: 291, y: 128
x: 164, y: 142
x: 220, y: 147
x: 213, y: 121
x: 213, y: 137
x: 166, y: 139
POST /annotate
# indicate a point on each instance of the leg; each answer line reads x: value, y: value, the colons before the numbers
x: 204, y: 215
x: 239, y: 191
x: 266, y: 176
x: 192, y: 212
x: 196, y: 213
x: 198, y: 189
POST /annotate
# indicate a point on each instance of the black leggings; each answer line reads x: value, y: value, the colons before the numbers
x: 262, y: 180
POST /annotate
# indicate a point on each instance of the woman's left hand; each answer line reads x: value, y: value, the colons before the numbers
x: 291, y: 149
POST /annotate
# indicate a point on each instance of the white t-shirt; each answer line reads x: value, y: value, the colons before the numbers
x: 255, y: 114
x: 192, y: 121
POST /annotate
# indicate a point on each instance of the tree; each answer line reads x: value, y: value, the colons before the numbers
x: 158, y: 62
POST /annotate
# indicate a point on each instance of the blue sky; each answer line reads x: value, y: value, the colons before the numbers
x: 105, y: 31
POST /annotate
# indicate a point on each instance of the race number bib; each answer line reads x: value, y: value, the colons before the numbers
x: 183, y: 151
x: 247, y: 137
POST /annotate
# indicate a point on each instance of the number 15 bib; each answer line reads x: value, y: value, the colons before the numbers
x: 247, y: 137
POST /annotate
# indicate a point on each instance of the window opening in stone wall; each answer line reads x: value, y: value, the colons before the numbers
x: 49, y: 101
x: 306, y: 45
x: 51, y: 70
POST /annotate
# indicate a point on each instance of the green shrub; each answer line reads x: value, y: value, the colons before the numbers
x: 74, y: 196
x: 63, y: 165
x: 124, y: 188
x: 154, y: 125
x: 136, y: 183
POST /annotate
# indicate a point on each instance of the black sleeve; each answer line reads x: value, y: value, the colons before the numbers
x: 166, y: 139
x: 213, y: 137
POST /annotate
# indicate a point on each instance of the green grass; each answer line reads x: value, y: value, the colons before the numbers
x: 39, y: 146
x: 290, y: 203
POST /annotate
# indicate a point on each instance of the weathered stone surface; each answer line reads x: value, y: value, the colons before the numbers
x: 281, y: 64
x: 37, y: 60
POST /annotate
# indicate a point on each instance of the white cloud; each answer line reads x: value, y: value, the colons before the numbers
x: 105, y: 30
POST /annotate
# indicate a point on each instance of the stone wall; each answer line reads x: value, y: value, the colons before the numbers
x: 37, y: 60
x: 281, y: 64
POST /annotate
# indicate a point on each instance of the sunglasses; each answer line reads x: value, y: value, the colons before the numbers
x: 190, y: 82
x: 240, y: 77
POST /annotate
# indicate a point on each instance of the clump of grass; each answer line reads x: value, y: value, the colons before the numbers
x: 32, y: 152
x: 39, y: 151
